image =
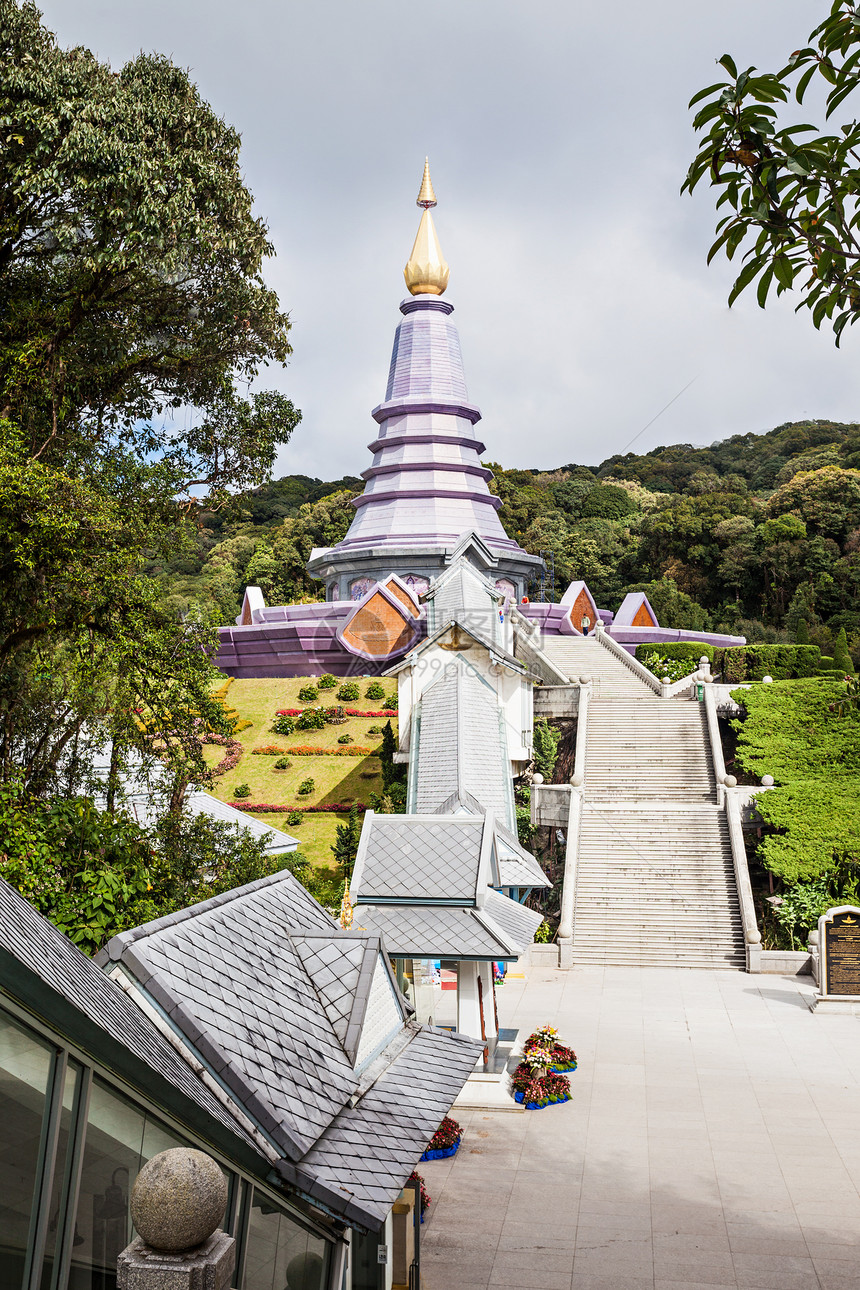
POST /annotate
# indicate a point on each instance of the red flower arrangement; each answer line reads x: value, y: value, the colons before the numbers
x: 308, y: 750
x: 539, y: 1090
x: 545, y: 1038
x: 445, y: 1141
x: 350, y: 712
x: 269, y: 750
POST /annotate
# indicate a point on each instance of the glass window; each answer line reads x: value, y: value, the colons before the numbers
x: 120, y: 1138
x: 280, y: 1254
x: 62, y: 1172
x: 25, y: 1065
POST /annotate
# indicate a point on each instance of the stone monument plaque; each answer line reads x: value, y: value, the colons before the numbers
x: 839, y: 941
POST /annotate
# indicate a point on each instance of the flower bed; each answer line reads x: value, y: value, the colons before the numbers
x: 540, y: 1080
x: 426, y: 1202
x: 545, y: 1038
x: 350, y: 712
x: 445, y: 1141
x: 234, y: 752
x: 270, y: 750
x: 337, y: 808
x: 308, y: 750
x: 538, y: 1091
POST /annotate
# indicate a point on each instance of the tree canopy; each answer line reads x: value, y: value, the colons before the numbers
x: 790, y: 188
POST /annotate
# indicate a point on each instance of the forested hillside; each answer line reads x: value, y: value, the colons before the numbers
x: 750, y: 535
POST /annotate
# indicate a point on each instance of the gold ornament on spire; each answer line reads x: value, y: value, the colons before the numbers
x: 426, y: 271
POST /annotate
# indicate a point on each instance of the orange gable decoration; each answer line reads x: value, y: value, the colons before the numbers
x: 382, y: 624
x: 644, y: 617
x: 581, y: 609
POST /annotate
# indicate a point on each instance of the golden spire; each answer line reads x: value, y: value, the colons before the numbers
x: 426, y: 271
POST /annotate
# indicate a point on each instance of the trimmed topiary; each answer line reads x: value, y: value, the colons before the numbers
x: 348, y: 692
x: 308, y: 694
x: 306, y: 787
x: 375, y: 691
x: 345, y: 739
x: 311, y: 719
x: 327, y: 681
x: 283, y: 763
x: 242, y: 790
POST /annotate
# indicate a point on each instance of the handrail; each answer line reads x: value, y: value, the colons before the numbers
x: 749, y: 922
x: 574, y: 819
x: 635, y: 666
x: 716, y: 742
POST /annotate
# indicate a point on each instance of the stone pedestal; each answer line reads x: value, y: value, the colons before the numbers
x: 208, y: 1267
x: 846, y: 1005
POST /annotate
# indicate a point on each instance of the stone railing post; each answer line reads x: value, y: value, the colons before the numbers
x: 177, y: 1201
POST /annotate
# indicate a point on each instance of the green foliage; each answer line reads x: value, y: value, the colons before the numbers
x: 791, y: 189
x: 684, y: 651
x: 335, y: 716
x: 392, y: 773
x: 374, y: 730
x: 663, y: 666
x: 327, y: 681
x: 311, y: 719
x: 525, y: 828
x: 345, y: 847
x: 308, y: 694
x: 348, y: 692
x: 545, y: 741
x: 345, y: 739
x: 802, y: 633
x: 673, y: 607
x: 242, y: 790
x: 283, y: 763
x: 295, y: 818
x: 131, y: 287
x: 607, y: 501
x: 796, y: 732
x: 753, y: 662
x: 543, y: 933
x: 306, y: 787
x: 284, y: 725
x: 95, y: 874
x: 390, y: 701
x: 375, y: 691
x: 841, y: 658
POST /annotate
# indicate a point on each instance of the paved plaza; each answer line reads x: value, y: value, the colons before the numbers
x: 713, y: 1140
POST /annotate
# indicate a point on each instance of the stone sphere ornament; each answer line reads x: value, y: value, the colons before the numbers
x: 730, y: 781
x: 767, y: 781
x: 178, y: 1199
x: 767, y: 680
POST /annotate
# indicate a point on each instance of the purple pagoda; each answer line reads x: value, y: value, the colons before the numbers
x: 426, y: 495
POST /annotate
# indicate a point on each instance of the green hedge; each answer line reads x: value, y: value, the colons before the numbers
x: 753, y: 662
x: 681, y: 651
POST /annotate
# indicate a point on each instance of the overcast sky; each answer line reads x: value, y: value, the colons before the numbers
x: 558, y: 136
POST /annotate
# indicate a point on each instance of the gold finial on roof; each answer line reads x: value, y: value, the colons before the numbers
x: 426, y: 196
x: 426, y: 270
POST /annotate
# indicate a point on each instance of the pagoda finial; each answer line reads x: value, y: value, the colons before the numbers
x: 426, y: 271
x: 426, y: 196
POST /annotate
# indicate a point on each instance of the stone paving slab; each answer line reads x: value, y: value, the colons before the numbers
x: 713, y: 1142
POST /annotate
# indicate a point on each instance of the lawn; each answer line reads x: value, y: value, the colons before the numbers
x: 336, y: 779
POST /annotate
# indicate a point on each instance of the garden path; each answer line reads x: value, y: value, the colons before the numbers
x: 713, y: 1140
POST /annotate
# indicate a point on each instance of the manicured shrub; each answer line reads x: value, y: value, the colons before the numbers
x: 348, y: 692
x: 752, y: 662
x: 308, y: 694
x: 284, y: 725
x: 306, y: 787
x: 374, y: 691
x: 294, y: 818
x: 390, y: 701
x: 345, y: 739
x: 374, y: 730
x: 667, y: 669
x: 841, y: 658
x: 242, y: 790
x: 327, y: 681
x: 268, y: 750
x: 283, y: 763
x: 311, y: 719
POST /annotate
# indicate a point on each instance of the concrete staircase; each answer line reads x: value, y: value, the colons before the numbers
x: 655, y: 879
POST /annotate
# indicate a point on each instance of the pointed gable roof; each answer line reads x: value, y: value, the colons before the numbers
x: 635, y: 611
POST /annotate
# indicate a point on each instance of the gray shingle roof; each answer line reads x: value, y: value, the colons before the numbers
x: 463, y: 593
x: 418, y: 857
x: 517, y: 867
x: 461, y: 745
x: 303, y: 1024
x: 32, y: 945
x: 442, y: 931
x: 517, y: 923
x: 360, y: 1155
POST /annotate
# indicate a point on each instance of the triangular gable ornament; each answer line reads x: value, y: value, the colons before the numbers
x: 582, y: 613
